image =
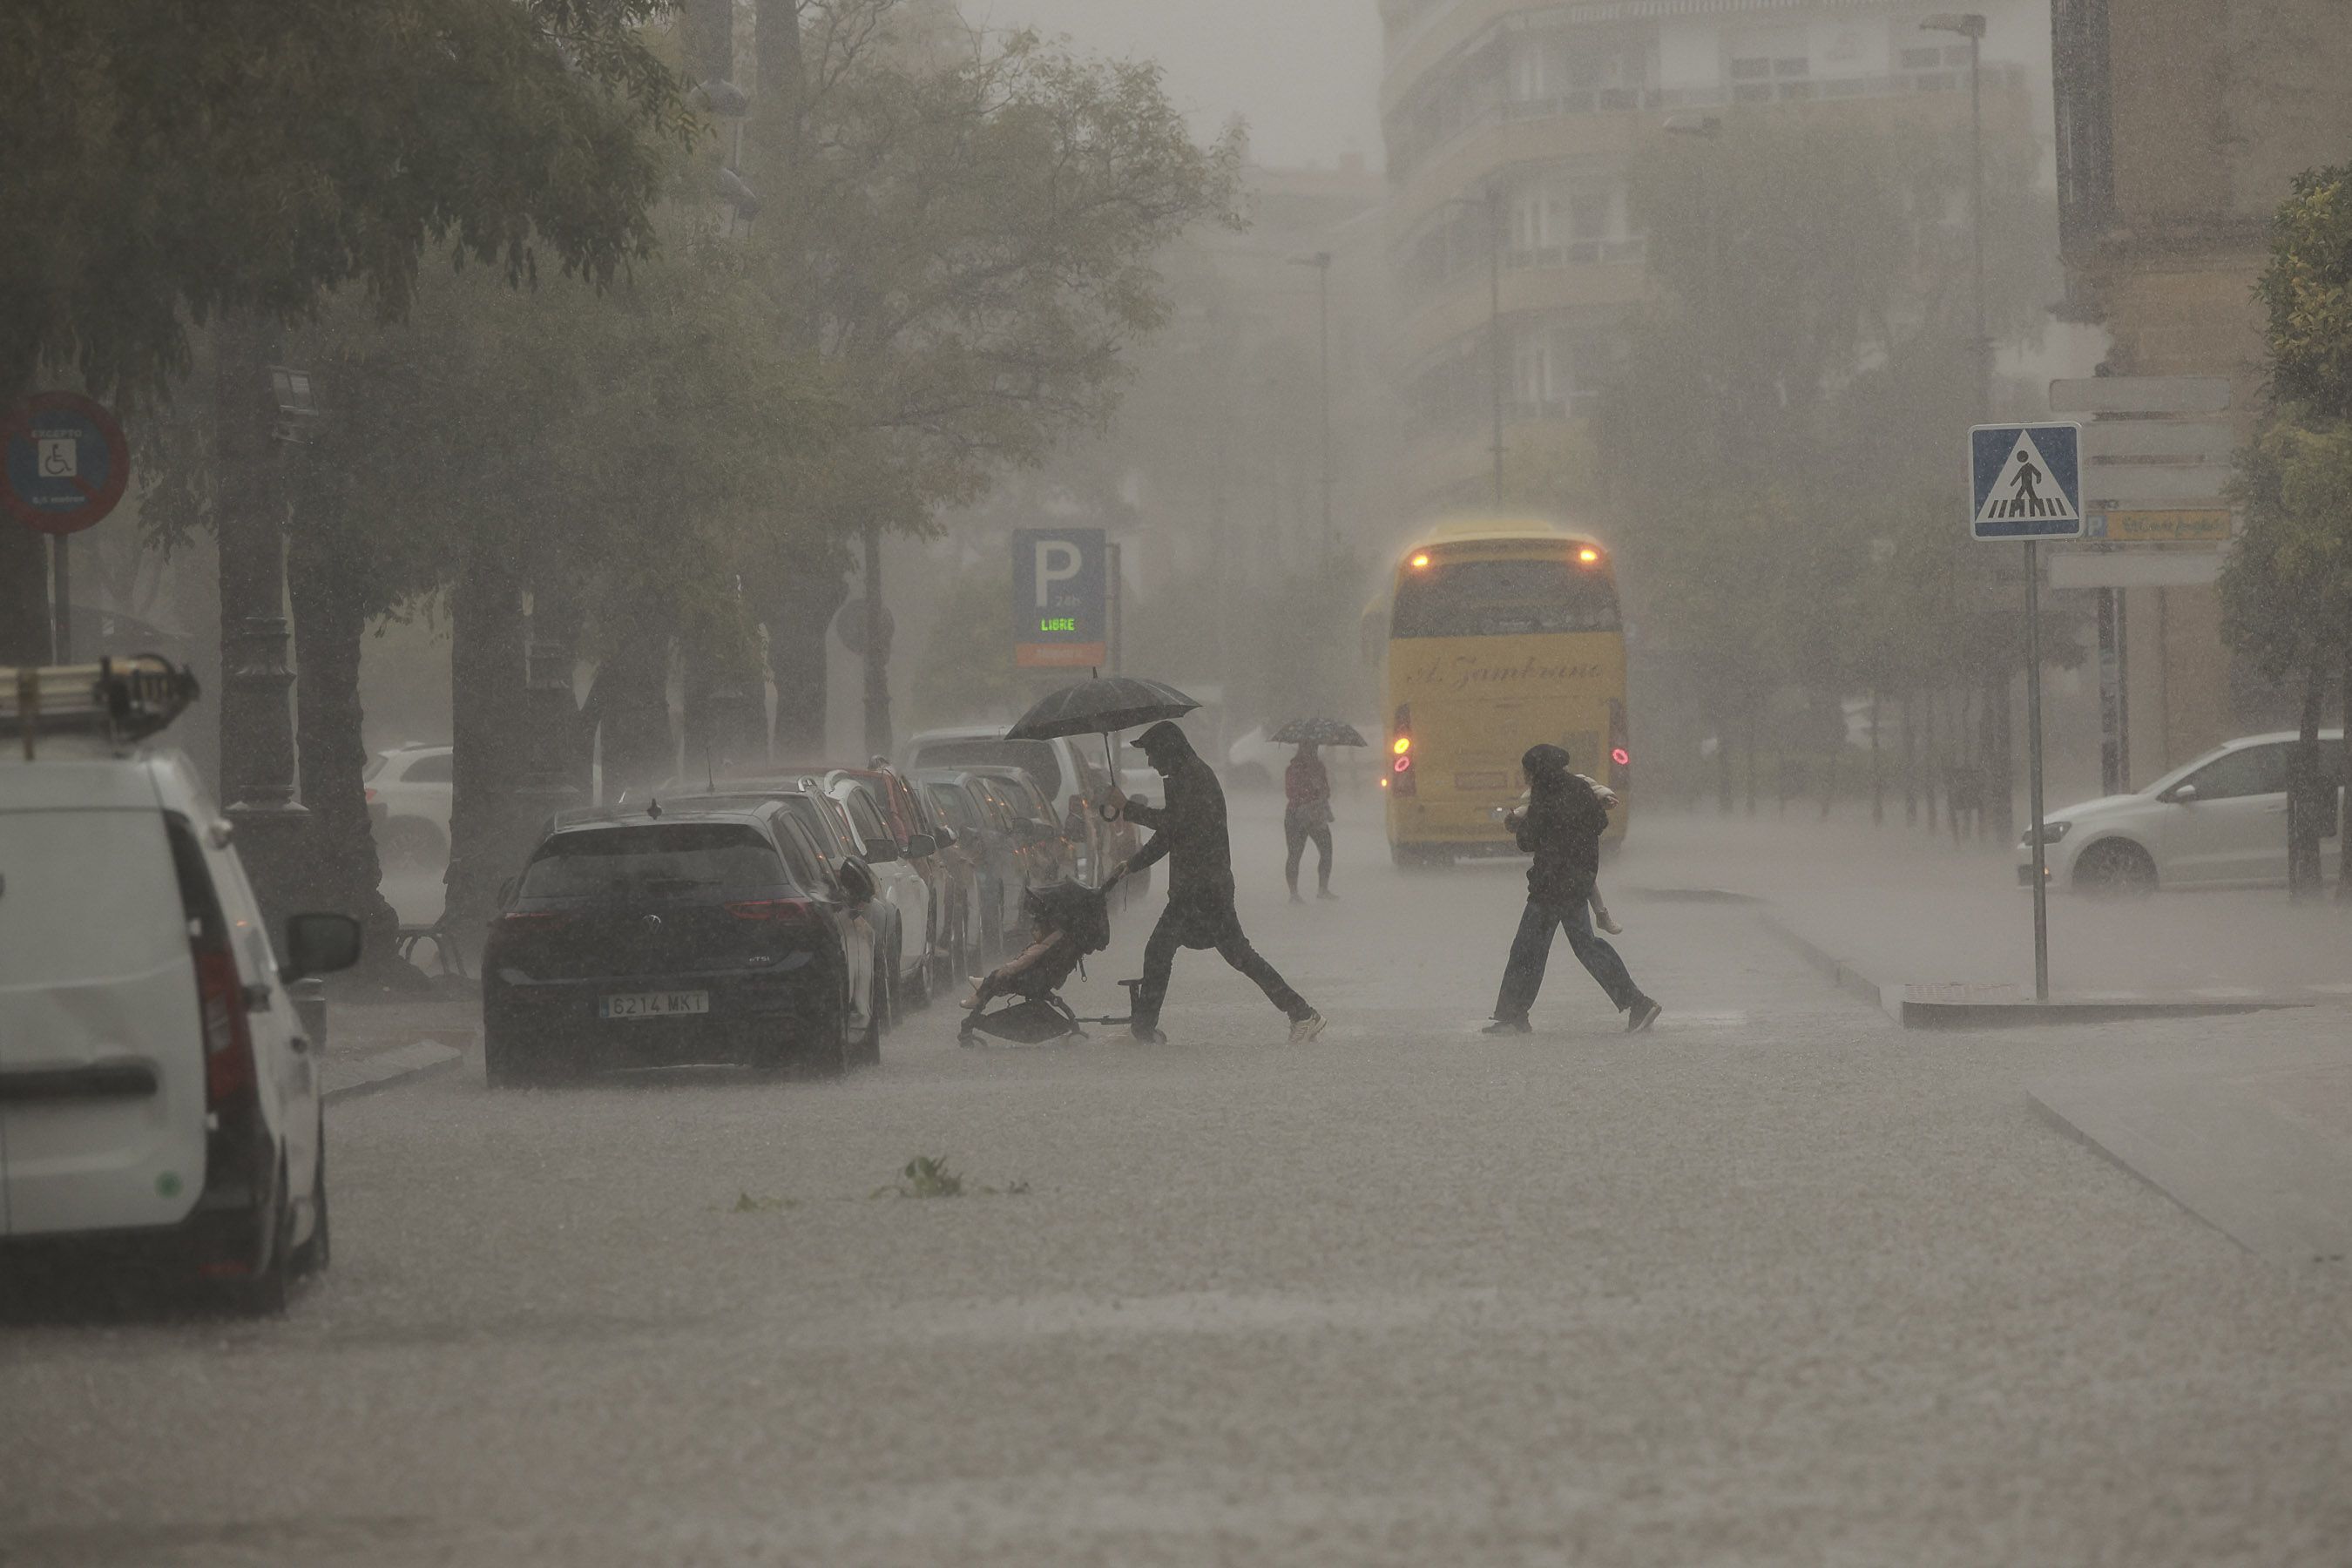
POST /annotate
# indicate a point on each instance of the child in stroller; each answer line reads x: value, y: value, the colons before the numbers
x: 1068, y: 921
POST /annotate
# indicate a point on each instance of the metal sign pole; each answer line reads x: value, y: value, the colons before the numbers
x: 2033, y: 752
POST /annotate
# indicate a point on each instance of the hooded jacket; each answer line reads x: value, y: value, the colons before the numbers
x: 1189, y: 832
x: 1562, y: 829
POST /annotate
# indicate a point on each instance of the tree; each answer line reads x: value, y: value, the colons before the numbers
x: 2287, y: 589
x: 968, y: 239
x: 180, y: 160
x: 1814, y: 327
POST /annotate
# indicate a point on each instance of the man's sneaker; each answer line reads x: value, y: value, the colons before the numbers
x: 1506, y: 1026
x: 1305, y: 1029
x: 1642, y: 1015
x: 1145, y: 1035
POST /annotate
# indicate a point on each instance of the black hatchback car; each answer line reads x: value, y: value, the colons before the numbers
x: 640, y: 938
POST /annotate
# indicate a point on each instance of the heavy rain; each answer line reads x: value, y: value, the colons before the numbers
x: 1035, y: 782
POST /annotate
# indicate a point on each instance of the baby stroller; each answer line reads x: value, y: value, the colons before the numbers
x: 1070, y: 921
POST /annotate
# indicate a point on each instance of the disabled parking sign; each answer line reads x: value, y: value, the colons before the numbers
x: 2025, y: 481
x: 63, y: 462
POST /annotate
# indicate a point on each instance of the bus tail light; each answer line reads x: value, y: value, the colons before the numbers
x: 1621, y: 750
x: 1401, y: 778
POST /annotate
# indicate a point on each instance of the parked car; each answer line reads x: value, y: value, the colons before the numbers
x: 903, y: 896
x: 408, y: 790
x: 1074, y: 782
x: 995, y: 849
x: 912, y: 825
x: 160, y: 1100
x: 659, y: 938
x: 1053, y: 857
x: 2218, y: 821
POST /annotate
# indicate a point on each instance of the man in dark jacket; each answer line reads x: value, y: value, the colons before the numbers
x: 1561, y: 828
x: 1189, y: 832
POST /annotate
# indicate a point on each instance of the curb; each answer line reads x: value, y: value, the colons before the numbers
x: 432, y: 1052
x: 1833, y: 969
x: 1996, y: 1006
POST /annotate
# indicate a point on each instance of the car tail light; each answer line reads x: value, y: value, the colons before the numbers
x: 229, y: 1078
x: 1401, y: 778
x: 784, y: 911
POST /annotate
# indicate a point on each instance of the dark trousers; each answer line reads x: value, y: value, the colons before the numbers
x: 1297, y: 834
x: 1173, y: 931
x: 1523, y: 975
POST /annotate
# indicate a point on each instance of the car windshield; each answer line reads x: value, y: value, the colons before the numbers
x: 656, y: 860
x: 1035, y: 758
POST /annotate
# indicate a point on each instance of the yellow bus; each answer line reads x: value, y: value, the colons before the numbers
x: 1500, y: 635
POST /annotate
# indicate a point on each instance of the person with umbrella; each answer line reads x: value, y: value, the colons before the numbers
x: 1189, y: 832
x: 1306, y: 798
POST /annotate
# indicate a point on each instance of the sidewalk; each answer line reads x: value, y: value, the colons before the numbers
x: 373, y: 1046
x: 1920, y: 919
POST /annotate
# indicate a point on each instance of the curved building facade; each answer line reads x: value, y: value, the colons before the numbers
x: 1509, y: 127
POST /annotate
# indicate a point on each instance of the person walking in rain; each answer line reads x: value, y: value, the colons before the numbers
x: 1561, y: 827
x: 1307, y: 814
x: 1189, y: 832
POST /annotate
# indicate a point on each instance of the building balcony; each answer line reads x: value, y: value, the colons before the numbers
x: 1600, y: 277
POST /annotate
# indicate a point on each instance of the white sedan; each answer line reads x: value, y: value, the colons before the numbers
x: 2218, y: 821
x: 408, y: 793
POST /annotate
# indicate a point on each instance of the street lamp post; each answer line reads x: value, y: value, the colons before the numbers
x: 1321, y: 262
x: 1490, y: 206
x: 1708, y: 129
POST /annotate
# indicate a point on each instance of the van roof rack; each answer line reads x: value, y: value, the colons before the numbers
x: 119, y: 698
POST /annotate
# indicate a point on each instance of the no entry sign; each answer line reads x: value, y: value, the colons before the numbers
x: 66, y: 463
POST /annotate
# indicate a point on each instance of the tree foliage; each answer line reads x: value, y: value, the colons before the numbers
x: 175, y: 159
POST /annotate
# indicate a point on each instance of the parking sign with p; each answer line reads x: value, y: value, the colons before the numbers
x: 1060, y: 581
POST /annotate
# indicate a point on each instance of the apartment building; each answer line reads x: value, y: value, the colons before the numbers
x: 1510, y: 126
x: 2180, y: 127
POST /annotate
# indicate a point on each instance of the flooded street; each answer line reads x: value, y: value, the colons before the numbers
x: 1780, y: 1282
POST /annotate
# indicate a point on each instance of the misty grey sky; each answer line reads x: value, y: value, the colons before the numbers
x: 1304, y: 73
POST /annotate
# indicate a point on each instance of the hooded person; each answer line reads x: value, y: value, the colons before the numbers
x: 1561, y: 827
x: 1189, y: 833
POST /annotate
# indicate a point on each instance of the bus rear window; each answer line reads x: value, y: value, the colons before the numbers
x: 1503, y: 598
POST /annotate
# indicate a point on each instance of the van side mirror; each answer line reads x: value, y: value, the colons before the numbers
x: 320, y: 944
x: 921, y: 845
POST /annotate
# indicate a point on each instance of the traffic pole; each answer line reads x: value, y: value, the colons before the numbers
x: 2033, y: 767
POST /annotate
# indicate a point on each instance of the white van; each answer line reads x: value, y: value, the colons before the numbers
x: 158, y: 1095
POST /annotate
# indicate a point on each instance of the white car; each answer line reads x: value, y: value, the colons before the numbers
x: 159, y: 1101
x: 408, y: 790
x: 2218, y: 821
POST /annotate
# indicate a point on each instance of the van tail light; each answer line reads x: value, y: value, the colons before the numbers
x: 230, y: 1082
x: 1401, y: 778
x: 783, y: 911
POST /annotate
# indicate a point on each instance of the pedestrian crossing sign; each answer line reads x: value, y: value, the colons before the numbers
x: 2025, y: 481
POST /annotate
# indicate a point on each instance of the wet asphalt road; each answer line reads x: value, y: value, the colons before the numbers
x: 1776, y: 1284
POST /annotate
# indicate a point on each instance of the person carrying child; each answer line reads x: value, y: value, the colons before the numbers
x: 1561, y: 827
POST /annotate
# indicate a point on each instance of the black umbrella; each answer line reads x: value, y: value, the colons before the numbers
x: 1101, y: 707
x: 1317, y: 733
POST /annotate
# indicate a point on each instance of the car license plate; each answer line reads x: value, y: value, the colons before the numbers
x: 654, y: 1005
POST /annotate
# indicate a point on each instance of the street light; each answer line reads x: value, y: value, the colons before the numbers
x: 1491, y: 205
x: 1708, y: 128
x: 1321, y: 262
x: 1971, y: 25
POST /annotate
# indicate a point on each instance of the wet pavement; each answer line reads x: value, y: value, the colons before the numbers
x: 1778, y: 1283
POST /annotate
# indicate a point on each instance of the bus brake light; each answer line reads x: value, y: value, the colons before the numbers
x: 1621, y: 757
x: 1403, y: 764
